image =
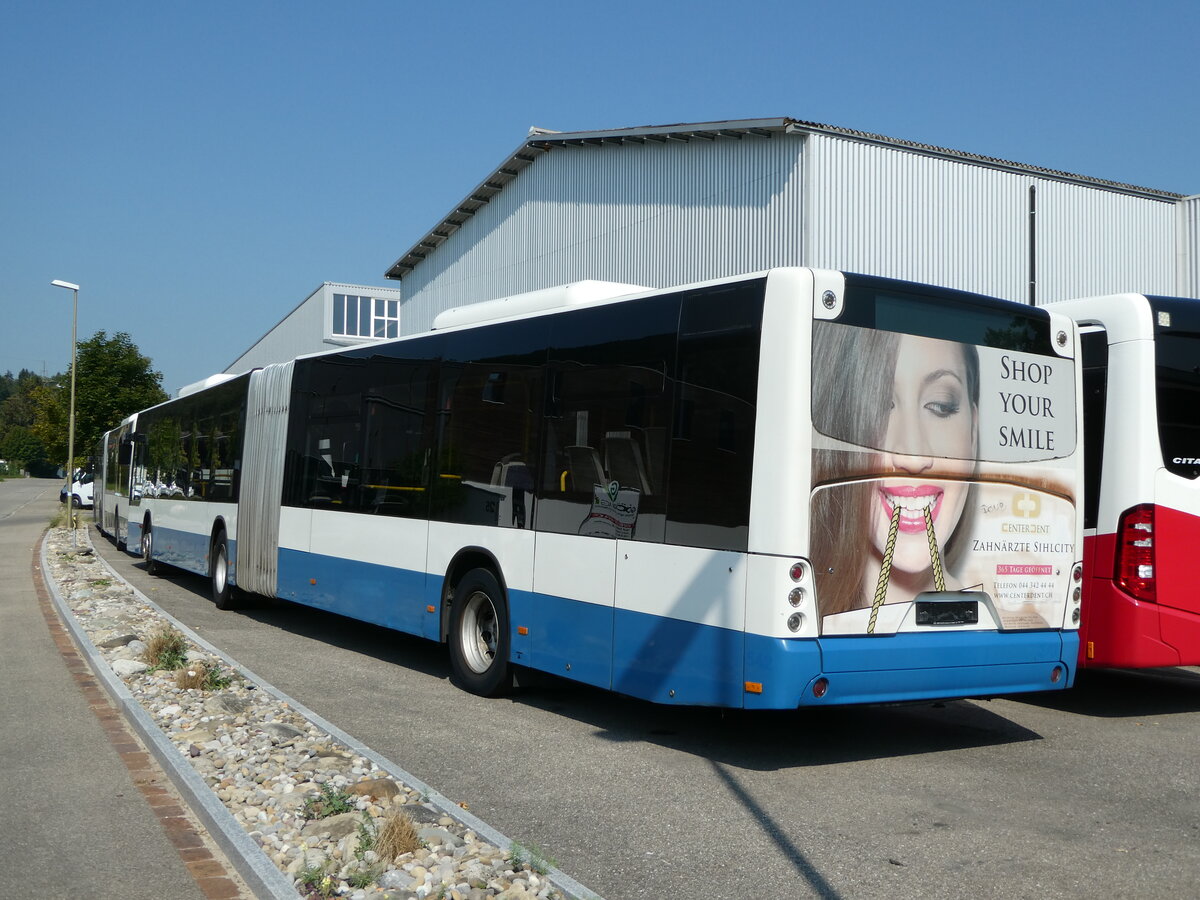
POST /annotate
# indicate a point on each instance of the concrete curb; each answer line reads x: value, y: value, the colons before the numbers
x: 247, y: 857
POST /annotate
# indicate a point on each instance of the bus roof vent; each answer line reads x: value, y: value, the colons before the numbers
x: 196, y: 386
x: 577, y: 293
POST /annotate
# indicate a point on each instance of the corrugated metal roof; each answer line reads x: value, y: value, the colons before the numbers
x: 540, y: 140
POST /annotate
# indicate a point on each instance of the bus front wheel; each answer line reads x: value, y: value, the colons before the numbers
x: 479, y: 635
x: 224, y: 594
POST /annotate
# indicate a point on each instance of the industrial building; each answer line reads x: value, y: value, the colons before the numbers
x: 664, y: 205
x: 334, y: 315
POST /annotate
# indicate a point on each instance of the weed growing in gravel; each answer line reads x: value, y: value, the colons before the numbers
x: 101, y: 582
x: 366, y: 837
x: 330, y: 802
x: 364, y: 878
x: 217, y: 679
x: 191, y: 677
x: 396, y: 837
x: 531, y: 857
x: 166, y: 649
x: 314, y: 882
x: 203, y: 676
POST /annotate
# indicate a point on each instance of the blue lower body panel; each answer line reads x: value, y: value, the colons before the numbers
x: 564, y: 637
x: 181, y: 549
x: 671, y: 661
x: 667, y: 660
x: 382, y: 595
x: 911, y: 666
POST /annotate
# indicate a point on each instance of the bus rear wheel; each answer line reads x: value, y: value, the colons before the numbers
x: 479, y: 635
x: 224, y: 594
x: 153, y: 567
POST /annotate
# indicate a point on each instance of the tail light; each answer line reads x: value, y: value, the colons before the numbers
x: 1134, y: 571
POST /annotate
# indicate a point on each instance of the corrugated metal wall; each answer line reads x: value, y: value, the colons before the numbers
x: 889, y: 212
x: 906, y: 215
x: 301, y: 331
x: 650, y: 214
x: 661, y: 214
x: 1189, y: 247
x: 1099, y: 242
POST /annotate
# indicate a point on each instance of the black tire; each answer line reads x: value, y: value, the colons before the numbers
x: 479, y: 635
x: 153, y: 566
x: 224, y: 594
x: 76, y: 503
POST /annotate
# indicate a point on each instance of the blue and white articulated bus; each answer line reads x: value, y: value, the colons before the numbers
x: 796, y: 487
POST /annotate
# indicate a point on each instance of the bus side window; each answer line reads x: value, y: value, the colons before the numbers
x: 488, y: 420
x: 609, y: 389
x: 712, y: 437
x: 395, y: 469
x: 1095, y: 390
x: 333, y: 442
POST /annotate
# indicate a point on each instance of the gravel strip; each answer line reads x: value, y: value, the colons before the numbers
x: 320, y: 807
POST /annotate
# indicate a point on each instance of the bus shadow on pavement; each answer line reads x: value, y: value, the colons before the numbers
x: 773, y: 740
x: 322, y: 627
x: 1125, y: 693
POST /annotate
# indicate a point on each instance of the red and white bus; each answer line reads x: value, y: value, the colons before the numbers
x: 1141, y: 406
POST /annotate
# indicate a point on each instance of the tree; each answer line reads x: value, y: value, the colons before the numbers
x: 18, y: 444
x: 113, y: 379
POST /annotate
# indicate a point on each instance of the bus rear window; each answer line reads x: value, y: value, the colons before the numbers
x: 1177, y: 377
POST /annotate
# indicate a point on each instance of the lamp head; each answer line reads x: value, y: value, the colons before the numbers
x: 65, y: 284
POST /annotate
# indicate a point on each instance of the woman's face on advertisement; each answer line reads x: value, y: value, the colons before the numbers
x: 931, y: 433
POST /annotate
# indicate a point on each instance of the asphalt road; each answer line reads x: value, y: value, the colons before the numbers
x: 1091, y: 792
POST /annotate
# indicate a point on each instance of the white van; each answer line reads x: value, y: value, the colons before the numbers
x: 81, y: 492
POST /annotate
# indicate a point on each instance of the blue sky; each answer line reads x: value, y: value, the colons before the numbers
x: 199, y: 169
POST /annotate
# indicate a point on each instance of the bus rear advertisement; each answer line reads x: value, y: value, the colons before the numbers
x: 795, y: 487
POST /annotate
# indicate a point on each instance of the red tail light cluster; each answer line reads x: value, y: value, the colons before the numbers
x: 1134, y: 572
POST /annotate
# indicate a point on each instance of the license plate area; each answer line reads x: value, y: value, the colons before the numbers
x: 947, y: 613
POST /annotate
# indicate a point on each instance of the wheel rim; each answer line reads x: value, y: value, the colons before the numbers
x: 147, y: 545
x: 477, y: 637
x: 220, y: 567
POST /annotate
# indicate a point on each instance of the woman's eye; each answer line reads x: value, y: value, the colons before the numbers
x: 943, y: 409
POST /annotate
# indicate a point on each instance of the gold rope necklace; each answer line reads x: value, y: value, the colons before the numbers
x: 889, y: 550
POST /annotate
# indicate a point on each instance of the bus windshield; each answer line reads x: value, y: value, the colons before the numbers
x: 1177, y: 382
x: 1177, y: 389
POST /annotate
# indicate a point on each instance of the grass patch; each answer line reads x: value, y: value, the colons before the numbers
x: 397, y: 835
x: 315, y: 881
x: 530, y: 857
x: 166, y: 649
x: 202, y: 676
x: 330, y: 801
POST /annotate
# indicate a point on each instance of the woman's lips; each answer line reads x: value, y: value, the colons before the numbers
x: 912, y: 500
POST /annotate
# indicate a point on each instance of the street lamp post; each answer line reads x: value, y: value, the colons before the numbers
x: 74, y: 289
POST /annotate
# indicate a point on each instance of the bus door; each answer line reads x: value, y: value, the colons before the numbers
x: 121, y: 483
x: 575, y: 546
